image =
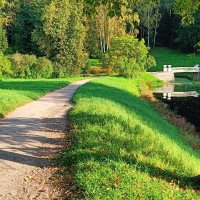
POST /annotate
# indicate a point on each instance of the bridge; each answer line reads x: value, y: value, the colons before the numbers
x: 169, y: 71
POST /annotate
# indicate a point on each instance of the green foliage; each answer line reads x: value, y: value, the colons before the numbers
x: 21, y: 65
x: 149, y: 12
x: 29, y: 66
x: 186, y: 9
x: 42, y: 68
x: 3, y: 38
x: 124, y: 149
x: 58, y: 71
x: 17, y: 92
x: 5, y: 66
x: 197, y: 47
x: 184, y: 35
x: 61, y: 34
x: 129, y: 56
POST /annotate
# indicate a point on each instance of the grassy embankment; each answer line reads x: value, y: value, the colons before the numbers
x: 124, y: 149
x: 16, y: 92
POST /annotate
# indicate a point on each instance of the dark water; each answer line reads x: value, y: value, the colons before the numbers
x: 188, y: 107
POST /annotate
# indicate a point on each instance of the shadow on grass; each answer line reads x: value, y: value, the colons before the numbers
x: 133, y: 104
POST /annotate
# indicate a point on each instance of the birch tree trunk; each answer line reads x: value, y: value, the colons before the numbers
x: 155, y: 33
x: 148, y: 29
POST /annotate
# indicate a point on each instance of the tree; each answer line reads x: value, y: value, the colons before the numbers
x: 61, y: 34
x: 186, y: 9
x: 103, y: 27
x: 184, y: 38
x: 149, y: 12
x: 3, y: 37
x: 129, y: 56
x: 5, y: 66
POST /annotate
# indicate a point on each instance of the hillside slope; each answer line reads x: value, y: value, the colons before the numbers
x: 124, y: 149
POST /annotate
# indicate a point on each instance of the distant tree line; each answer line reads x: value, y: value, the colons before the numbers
x: 67, y: 32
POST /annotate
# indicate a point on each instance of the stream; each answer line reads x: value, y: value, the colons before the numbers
x: 183, y: 101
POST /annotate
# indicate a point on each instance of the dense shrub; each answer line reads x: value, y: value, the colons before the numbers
x: 5, y: 66
x: 3, y: 37
x: 59, y: 71
x: 21, y: 65
x: 42, y: 68
x: 29, y: 66
x: 128, y: 56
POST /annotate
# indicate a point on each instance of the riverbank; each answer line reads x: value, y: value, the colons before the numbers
x: 123, y: 149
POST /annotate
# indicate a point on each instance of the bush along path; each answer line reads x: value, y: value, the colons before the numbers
x: 124, y: 149
x: 29, y: 136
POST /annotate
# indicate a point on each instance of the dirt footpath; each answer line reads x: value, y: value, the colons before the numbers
x: 29, y: 136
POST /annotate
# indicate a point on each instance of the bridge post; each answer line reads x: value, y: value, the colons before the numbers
x: 169, y: 68
x: 164, y: 95
x: 165, y: 68
x: 169, y: 96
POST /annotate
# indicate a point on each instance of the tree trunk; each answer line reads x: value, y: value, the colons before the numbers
x: 141, y: 32
x: 155, y: 34
x: 148, y: 30
x: 101, y: 43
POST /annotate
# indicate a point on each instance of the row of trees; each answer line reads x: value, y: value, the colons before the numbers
x: 67, y: 31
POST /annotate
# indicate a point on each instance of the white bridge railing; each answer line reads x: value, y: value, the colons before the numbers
x: 169, y: 68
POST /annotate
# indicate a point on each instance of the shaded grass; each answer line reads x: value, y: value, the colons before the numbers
x: 124, y: 149
x: 175, y: 58
x: 17, y: 92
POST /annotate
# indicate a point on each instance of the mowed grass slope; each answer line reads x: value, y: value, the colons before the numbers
x: 166, y: 56
x: 123, y: 148
x: 16, y: 92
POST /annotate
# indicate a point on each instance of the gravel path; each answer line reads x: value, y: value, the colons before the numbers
x: 29, y: 136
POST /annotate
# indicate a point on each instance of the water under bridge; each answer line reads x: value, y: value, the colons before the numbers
x: 168, y: 73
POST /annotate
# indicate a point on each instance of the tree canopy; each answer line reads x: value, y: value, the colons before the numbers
x: 67, y: 31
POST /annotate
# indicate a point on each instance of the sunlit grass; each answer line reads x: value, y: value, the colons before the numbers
x: 124, y: 149
x: 16, y: 92
x: 165, y: 56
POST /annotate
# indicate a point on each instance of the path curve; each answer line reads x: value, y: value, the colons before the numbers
x: 28, y: 136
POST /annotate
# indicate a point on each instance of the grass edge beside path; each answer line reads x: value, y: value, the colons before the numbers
x: 17, y: 92
x: 123, y: 148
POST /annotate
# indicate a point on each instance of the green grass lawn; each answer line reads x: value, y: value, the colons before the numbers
x: 175, y: 58
x: 16, y: 92
x: 124, y: 149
